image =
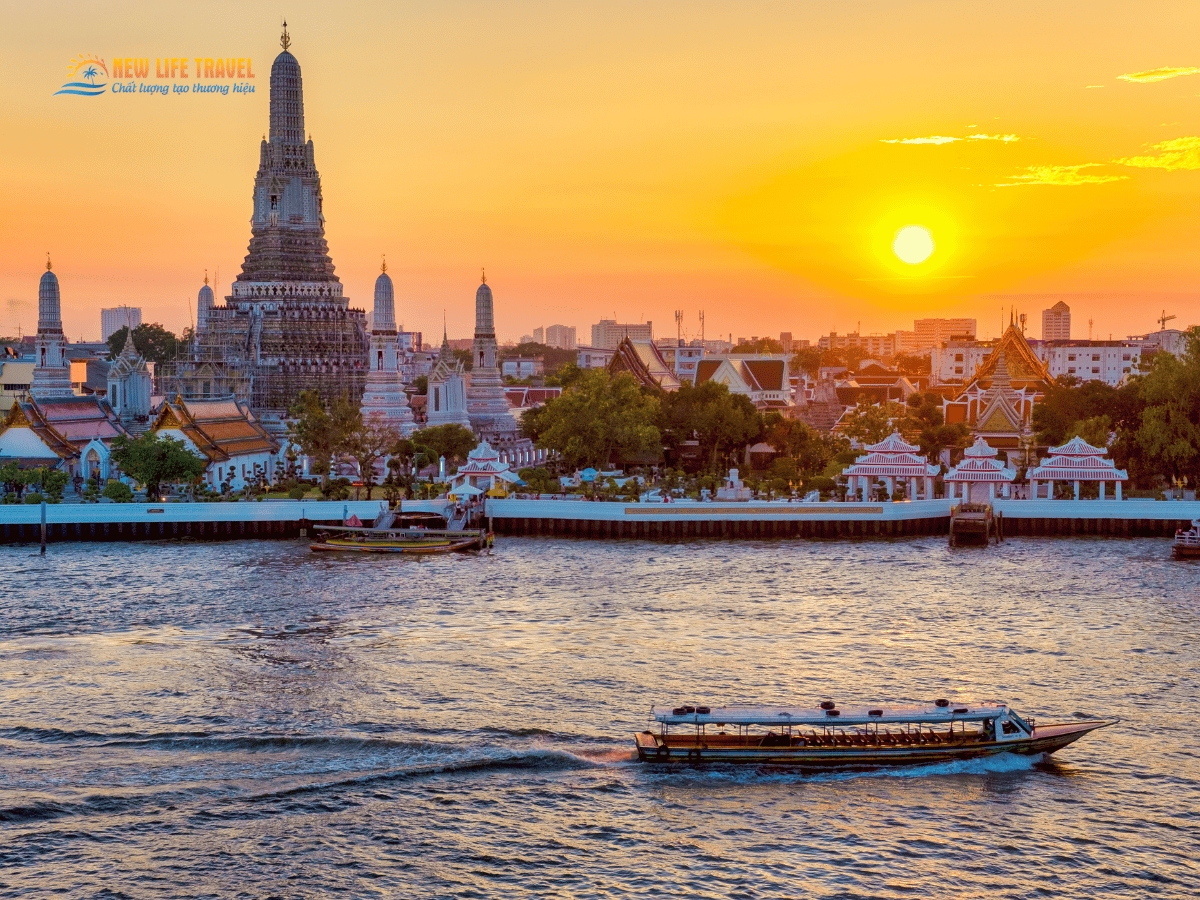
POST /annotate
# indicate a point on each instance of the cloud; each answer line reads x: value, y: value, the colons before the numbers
x: 1088, y: 87
x: 936, y: 139
x: 1152, y: 75
x: 1061, y: 175
x: 1175, y: 154
x: 943, y: 139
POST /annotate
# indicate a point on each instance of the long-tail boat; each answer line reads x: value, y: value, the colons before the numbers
x: 392, y: 532
x: 868, y: 737
x: 1187, y: 543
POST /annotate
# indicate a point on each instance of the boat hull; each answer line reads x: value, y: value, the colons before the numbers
x: 415, y: 546
x: 685, y: 749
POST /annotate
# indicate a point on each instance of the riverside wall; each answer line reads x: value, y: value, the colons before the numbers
x: 573, y: 518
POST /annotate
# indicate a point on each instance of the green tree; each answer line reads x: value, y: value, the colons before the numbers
x: 368, y: 443
x: 151, y: 340
x: 118, y: 492
x: 811, y: 449
x: 1168, y: 438
x: 870, y: 423
x: 599, y: 418
x: 452, y: 441
x: 321, y: 431
x: 925, y: 425
x: 152, y: 459
x: 722, y: 423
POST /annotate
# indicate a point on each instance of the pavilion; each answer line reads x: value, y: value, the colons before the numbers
x: 980, y: 466
x: 1076, y: 461
x: 892, y: 459
x: 484, y: 471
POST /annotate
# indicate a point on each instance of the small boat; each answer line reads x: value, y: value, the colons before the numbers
x: 829, y: 737
x: 1187, y: 543
x: 392, y: 532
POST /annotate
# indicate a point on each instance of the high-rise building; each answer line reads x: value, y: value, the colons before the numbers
x: 561, y: 337
x: 539, y: 335
x: 1056, y: 322
x: 286, y: 327
x: 113, y: 320
x: 935, y: 332
x: 608, y: 334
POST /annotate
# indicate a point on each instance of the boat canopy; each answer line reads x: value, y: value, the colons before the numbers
x: 777, y: 716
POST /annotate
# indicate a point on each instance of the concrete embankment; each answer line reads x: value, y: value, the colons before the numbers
x: 574, y: 518
x: 203, y: 521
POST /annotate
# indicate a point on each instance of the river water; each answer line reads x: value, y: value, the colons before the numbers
x: 247, y: 719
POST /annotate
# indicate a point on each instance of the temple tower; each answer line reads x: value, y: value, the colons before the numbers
x: 446, y: 400
x: 383, y: 399
x: 204, y: 304
x: 129, y: 387
x: 52, y: 374
x: 487, y: 404
x: 286, y: 327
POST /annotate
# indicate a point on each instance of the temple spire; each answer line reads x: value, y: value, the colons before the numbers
x: 285, y: 41
x: 206, y: 276
x: 48, y: 266
x: 383, y: 265
x: 483, y: 275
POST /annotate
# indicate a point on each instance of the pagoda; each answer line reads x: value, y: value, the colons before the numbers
x: 1076, y: 461
x: 286, y: 327
x: 383, y: 401
x: 487, y: 405
x: 893, y: 459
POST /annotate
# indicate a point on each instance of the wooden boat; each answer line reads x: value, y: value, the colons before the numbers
x: 1187, y: 543
x: 833, y: 738
x: 392, y: 532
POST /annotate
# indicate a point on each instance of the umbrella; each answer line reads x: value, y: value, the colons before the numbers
x: 588, y: 474
x: 465, y: 490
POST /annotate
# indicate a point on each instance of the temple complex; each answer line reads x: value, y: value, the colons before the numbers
x: 487, y: 404
x: 286, y: 327
x: 384, y: 401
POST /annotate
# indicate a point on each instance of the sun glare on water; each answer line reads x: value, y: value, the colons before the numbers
x: 913, y: 244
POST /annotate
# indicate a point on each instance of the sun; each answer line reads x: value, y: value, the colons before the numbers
x: 913, y: 244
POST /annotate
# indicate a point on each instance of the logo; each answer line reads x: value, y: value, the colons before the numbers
x: 88, y: 67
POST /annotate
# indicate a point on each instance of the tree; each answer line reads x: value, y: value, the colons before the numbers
x: 322, y: 432
x: 1168, y: 439
x: 152, y: 459
x: 721, y: 422
x: 597, y: 419
x: 761, y: 345
x: 869, y: 424
x: 811, y: 450
x: 151, y: 340
x: 452, y: 441
x: 925, y: 425
x: 368, y: 444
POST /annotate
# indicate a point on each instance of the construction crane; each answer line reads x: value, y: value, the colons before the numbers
x: 1163, y: 320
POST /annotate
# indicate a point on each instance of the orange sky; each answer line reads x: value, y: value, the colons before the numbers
x: 628, y: 160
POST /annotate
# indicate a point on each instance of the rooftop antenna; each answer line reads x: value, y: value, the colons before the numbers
x: 702, y: 327
x: 679, y: 327
x: 1090, y: 321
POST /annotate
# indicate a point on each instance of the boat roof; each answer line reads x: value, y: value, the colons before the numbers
x: 784, y: 715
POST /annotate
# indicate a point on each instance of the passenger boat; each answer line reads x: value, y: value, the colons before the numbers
x: 1187, y: 543
x: 392, y: 532
x: 829, y: 737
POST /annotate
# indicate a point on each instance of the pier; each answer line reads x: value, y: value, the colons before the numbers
x: 290, y: 519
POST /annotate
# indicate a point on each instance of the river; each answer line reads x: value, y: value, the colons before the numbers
x: 248, y: 719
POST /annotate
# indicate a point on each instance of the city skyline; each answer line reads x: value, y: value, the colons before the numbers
x: 751, y: 162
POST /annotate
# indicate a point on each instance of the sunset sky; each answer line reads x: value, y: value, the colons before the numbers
x: 751, y: 160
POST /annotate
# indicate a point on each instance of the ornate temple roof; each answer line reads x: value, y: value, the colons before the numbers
x: 220, y: 428
x: 66, y: 424
x: 642, y: 360
x: 980, y: 465
x: 893, y: 457
x: 1077, y: 460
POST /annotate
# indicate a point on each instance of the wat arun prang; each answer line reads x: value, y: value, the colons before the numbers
x: 286, y: 327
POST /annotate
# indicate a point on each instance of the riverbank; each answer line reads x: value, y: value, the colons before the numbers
x: 574, y: 518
